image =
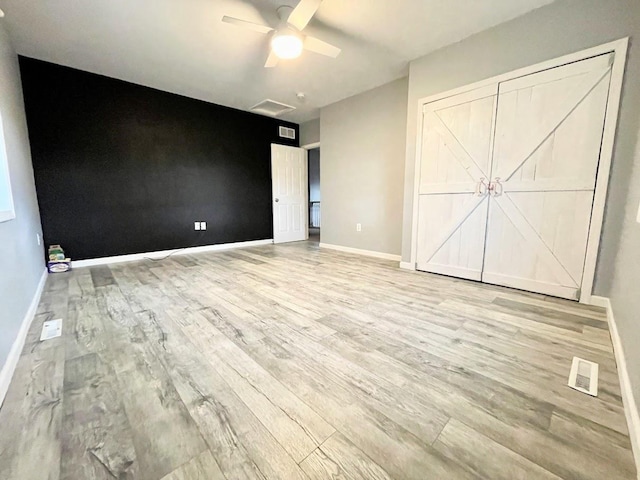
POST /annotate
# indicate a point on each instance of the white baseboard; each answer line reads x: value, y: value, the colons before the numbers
x: 357, y: 251
x: 407, y: 266
x: 9, y: 367
x: 600, y: 302
x: 628, y: 400
x: 183, y: 251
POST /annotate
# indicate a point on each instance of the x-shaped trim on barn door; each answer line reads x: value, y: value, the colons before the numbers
x: 500, y: 194
x: 499, y: 189
x: 472, y: 169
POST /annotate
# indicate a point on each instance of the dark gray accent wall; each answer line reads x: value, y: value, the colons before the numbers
x: 121, y: 168
x: 22, y: 261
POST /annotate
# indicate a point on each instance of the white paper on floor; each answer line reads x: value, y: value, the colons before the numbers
x: 51, y: 329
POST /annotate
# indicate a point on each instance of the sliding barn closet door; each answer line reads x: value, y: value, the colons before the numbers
x: 453, y: 180
x: 549, y: 128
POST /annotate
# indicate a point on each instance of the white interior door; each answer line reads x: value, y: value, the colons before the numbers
x: 548, y: 135
x: 454, y: 174
x: 290, y: 193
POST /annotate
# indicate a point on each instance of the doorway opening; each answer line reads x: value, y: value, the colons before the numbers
x: 314, y: 195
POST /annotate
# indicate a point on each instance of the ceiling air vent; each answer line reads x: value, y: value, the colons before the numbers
x: 286, y: 132
x: 271, y: 108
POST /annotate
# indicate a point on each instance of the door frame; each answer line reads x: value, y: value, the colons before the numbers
x: 307, y: 147
x: 619, y: 48
x: 310, y: 146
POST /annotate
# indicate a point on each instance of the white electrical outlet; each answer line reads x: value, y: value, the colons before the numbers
x: 196, y: 226
x: 358, y: 227
x: 203, y: 225
x: 38, y: 238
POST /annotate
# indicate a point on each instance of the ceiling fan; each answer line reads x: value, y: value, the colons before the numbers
x: 287, y: 40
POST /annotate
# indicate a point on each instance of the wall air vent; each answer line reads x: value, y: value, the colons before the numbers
x: 271, y: 108
x: 286, y: 132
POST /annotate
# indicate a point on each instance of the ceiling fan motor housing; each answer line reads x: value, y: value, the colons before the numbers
x: 284, y: 11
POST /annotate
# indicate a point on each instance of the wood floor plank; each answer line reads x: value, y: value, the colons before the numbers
x: 337, y: 457
x: 289, y: 434
x: 36, y: 434
x: 290, y: 424
x: 164, y: 434
x: 96, y: 436
x: 476, y: 330
x: 102, y: 276
x: 551, y: 316
x: 240, y: 443
x: 420, y: 418
x: 397, y: 450
x: 523, y: 323
x: 603, y: 443
x: 486, y: 458
x: 129, y: 286
x: 232, y: 326
x: 487, y: 395
x: 84, y: 330
x: 261, y: 380
x: 202, y: 467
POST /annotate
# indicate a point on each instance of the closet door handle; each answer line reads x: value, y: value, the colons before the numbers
x: 481, y: 188
x: 496, y: 187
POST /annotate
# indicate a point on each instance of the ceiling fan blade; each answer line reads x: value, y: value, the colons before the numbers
x: 316, y: 45
x: 243, y: 23
x: 303, y: 12
x: 272, y: 60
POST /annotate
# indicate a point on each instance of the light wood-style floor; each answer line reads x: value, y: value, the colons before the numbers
x: 297, y: 363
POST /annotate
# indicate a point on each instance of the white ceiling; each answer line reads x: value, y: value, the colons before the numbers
x: 181, y: 46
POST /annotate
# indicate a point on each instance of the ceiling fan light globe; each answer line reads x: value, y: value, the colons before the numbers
x: 287, y: 46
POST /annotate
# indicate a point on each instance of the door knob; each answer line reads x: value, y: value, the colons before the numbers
x: 277, y: 200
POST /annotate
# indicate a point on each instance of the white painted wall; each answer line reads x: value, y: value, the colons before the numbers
x: 363, y: 152
x: 563, y: 27
x: 22, y: 259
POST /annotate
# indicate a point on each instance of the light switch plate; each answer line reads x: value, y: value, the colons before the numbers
x: 203, y: 225
x: 196, y: 225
